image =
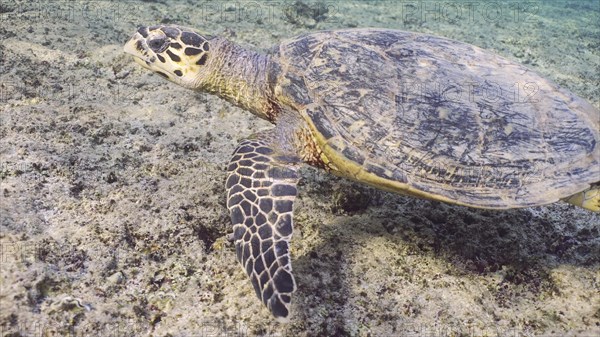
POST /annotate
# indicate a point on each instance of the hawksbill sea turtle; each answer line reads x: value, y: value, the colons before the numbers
x: 405, y: 112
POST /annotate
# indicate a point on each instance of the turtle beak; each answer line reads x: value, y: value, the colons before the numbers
x: 137, y: 47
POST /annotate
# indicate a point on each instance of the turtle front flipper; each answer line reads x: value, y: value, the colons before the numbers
x: 261, y: 188
x: 588, y: 199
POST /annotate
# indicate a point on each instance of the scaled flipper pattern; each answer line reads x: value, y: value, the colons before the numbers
x: 260, y: 197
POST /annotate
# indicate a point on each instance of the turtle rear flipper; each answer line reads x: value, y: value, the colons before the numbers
x: 588, y: 199
x: 261, y: 189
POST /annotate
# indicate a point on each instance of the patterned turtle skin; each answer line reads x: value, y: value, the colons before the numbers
x: 405, y: 112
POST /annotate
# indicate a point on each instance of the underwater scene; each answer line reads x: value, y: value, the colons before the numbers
x: 131, y: 205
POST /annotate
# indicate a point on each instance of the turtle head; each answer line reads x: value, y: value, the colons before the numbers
x: 175, y: 53
x: 206, y: 63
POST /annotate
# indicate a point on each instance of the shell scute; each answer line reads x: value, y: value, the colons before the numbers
x: 440, y: 118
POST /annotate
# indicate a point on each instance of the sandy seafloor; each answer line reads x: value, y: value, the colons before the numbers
x: 113, y: 218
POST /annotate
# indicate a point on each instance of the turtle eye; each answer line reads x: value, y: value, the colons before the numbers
x: 158, y: 44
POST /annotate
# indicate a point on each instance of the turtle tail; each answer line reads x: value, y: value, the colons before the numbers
x: 588, y: 199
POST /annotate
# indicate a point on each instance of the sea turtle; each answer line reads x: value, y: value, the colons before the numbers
x: 405, y: 112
